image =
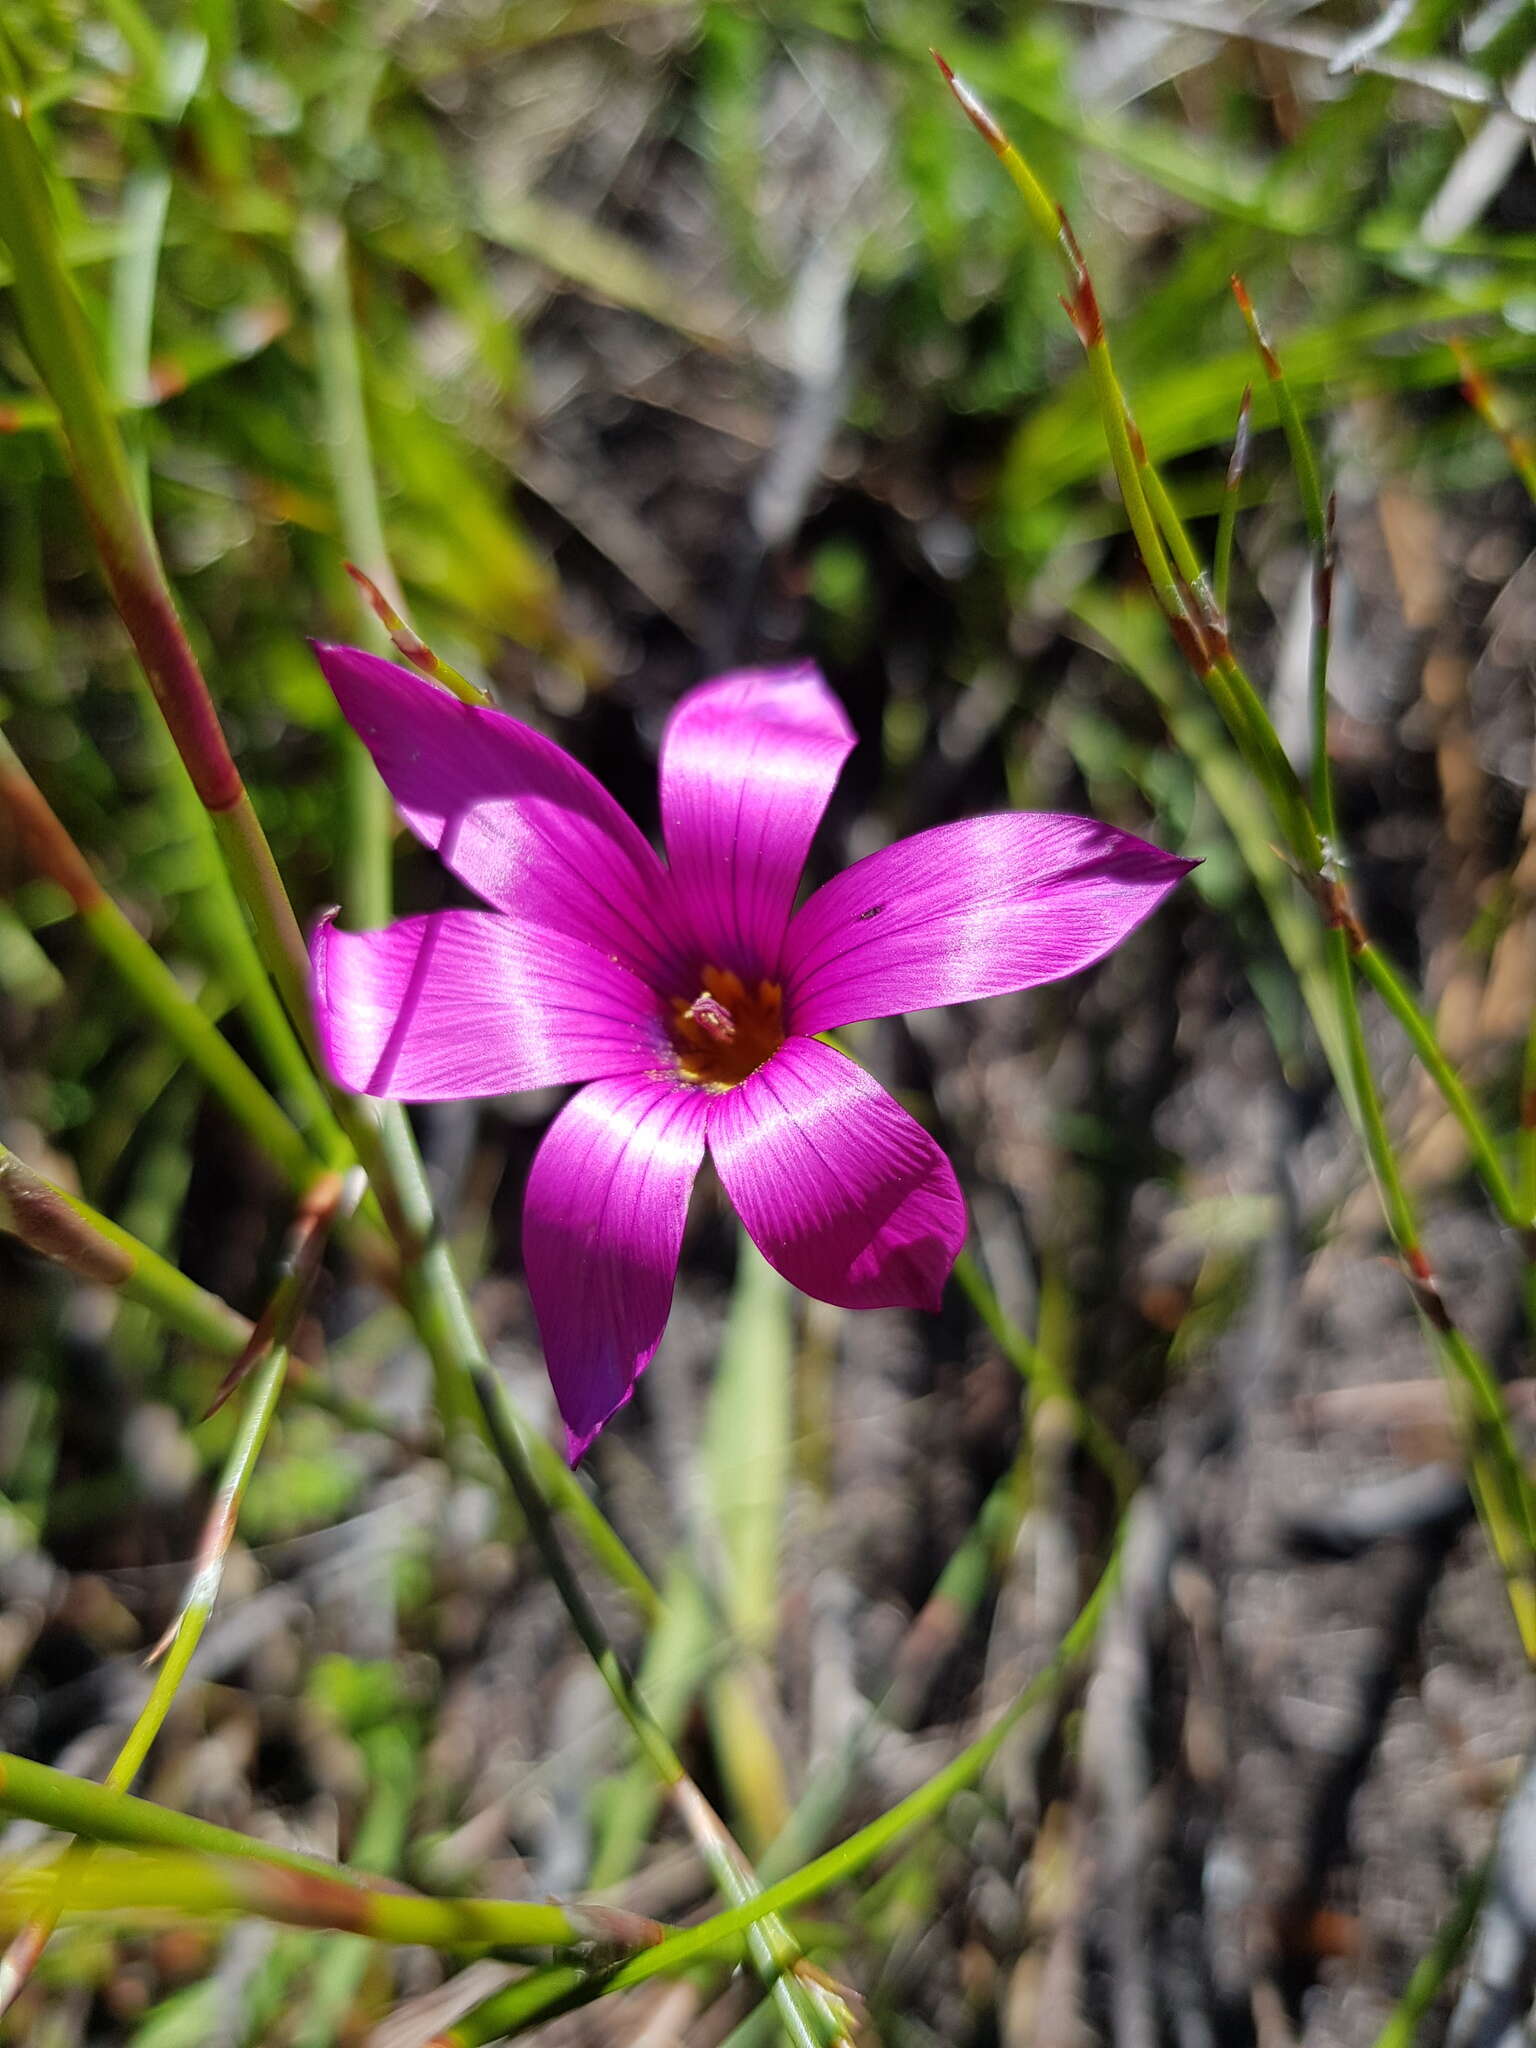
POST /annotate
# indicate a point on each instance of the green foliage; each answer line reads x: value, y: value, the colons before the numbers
x: 192, y: 156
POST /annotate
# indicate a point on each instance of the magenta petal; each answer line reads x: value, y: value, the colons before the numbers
x: 509, y: 811
x: 841, y: 1191
x: 748, y: 763
x: 602, y: 1226
x: 968, y: 910
x: 466, y: 1002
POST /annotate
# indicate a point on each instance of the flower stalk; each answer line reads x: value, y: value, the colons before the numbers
x: 803, y: 2007
x: 463, y: 1374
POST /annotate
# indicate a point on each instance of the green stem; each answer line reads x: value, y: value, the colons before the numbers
x: 300, y: 1896
x: 1434, y: 1967
x: 1323, y: 807
x: 1521, y: 450
x: 59, y: 338
x: 1045, y: 1378
x: 802, y: 2007
x: 61, y: 1227
x: 323, y: 258
x: 1231, y: 501
x: 1500, y: 1483
x: 59, y: 341
x: 56, y: 1800
x: 19, y: 1960
x: 227, y: 938
x: 433, y: 1287
x: 197, y: 1609
x: 546, y: 1993
x: 147, y: 977
x: 1514, y: 1206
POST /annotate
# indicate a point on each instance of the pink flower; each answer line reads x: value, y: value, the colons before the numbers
x: 689, y: 996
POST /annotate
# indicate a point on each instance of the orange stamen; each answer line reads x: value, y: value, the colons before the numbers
x: 726, y: 1032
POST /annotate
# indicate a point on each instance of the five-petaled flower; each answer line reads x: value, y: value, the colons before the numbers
x: 690, y: 997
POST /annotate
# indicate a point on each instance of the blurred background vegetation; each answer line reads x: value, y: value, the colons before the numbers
x: 675, y: 336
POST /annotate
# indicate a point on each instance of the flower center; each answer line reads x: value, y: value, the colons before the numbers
x: 727, y: 1031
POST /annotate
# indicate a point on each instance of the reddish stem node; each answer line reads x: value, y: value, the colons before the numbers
x: 48, y: 846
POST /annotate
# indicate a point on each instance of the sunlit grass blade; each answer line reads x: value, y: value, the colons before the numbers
x: 1231, y: 500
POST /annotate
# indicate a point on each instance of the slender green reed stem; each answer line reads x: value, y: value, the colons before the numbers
x: 1323, y: 807
x: 59, y: 341
x: 545, y: 1993
x: 1500, y: 1483
x: 61, y: 1227
x: 54, y: 1799
x: 126, y: 1886
x: 1045, y: 1378
x: 1225, y: 678
x: 1318, y: 517
x: 323, y: 258
x: 1231, y: 501
x: 433, y: 1287
x: 24, y: 1952
x: 802, y: 2007
x: 146, y: 975
x: 58, y: 337
x: 1513, y: 1207
x: 1128, y: 630
x: 228, y: 940
x: 1435, y: 1966
x: 145, y: 205
x: 1521, y: 450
